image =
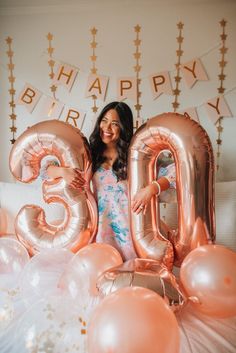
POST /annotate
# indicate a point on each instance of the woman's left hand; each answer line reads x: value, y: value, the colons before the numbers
x: 142, y: 198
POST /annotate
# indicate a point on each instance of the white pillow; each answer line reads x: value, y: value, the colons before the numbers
x: 13, y: 196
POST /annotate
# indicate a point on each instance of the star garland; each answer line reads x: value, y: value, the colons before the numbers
x: 137, y: 69
x: 179, y: 53
x: 221, y: 89
x: 12, y: 90
x: 51, y: 63
x: 93, y: 59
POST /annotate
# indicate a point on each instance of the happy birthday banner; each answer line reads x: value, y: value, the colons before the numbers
x: 128, y: 87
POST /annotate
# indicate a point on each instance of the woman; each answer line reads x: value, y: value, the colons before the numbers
x: 109, y: 144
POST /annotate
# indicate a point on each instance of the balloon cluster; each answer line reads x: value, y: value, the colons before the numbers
x: 83, y: 295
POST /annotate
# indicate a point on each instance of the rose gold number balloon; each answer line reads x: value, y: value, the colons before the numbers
x: 70, y: 147
x: 193, y: 155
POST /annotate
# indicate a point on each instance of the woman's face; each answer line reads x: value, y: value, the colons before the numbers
x: 110, y: 127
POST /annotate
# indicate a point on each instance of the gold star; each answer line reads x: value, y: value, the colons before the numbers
x: 138, y: 106
x: 222, y: 77
x: 139, y: 94
x: 93, y: 44
x: 180, y: 25
x: 12, y: 91
x: 223, y: 50
x: 12, y: 104
x: 179, y: 52
x: 95, y: 109
x: 50, y: 50
x: 11, y: 66
x: 49, y: 36
x: 137, y: 28
x: 13, y: 129
x: 9, y: 40
x: 94, y: 96
x: 177, y: 78
x: 94, y: 31
x: 220, y: 129
x: 137, y: 42
x: 175, y: 105
x: 176, y: 92
x: 221, y: 89
x: 136, y: 124
x: 139, y: 81
x: 223, y: 22
x: 94, y: 70
x: 180, y: 39
x: 222, y: 63
x: 177, y: 66
x: 137, y: 55
x: 53, y: 88
x: 11, y: 79
x: 12, y: 116
x: 223, y: 36
x: 51, y: 75
x: 93, y: 58
x: 137, y: 68
x: 10, y: 53
x: 51, y: 63
x: 13, y: 141
x: 219, y: 141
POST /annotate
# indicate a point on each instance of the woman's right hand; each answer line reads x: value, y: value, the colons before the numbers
x: 72, y: 176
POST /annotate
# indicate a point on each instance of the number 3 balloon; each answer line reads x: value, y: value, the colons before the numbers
x: 65, y: 142
x: 193, y: 155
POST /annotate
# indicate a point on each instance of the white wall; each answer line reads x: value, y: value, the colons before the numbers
x: 70, y: 23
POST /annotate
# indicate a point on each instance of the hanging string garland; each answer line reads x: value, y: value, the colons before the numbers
x: 51, y: 63
x: 221, y: 89
x: 93, y: 59
x: 12, y: 91
x: 137, y: 69
x: 179, y: 53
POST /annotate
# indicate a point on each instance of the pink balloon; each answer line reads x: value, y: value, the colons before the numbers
x: 209, y: 274
x: 13, y: 256
x: 86, y: 266
x: 3, y: 221
x: 42, y: 273
x: 133, y: 320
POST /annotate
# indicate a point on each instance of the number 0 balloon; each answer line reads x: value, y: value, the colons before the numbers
x: 192, y: 151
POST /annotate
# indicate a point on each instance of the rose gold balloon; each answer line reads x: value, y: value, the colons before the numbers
x: 133, y: 320
x: 3, y: 221
x: 65, y: 142
x: 150, y: 274
x: 192, y: 151
x: 87, y: 265
x: 208, y: 273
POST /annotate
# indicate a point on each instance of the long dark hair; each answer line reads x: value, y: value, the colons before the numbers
x: 126, y: 132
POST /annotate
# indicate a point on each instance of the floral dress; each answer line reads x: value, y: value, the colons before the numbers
x: 113, y: 213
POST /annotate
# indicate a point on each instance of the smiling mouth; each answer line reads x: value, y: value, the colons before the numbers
x: 107, y: 134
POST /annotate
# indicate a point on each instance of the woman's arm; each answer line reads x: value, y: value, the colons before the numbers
x: 166, y: 179
x: 143, y: 196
